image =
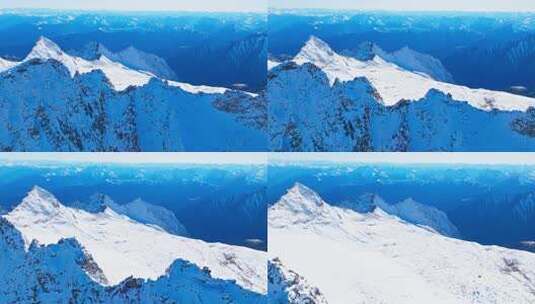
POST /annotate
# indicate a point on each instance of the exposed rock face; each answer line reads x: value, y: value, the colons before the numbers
x: 306, y: 113
x: 287, y: 286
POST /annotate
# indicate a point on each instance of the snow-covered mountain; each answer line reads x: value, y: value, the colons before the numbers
x: 66, y: 273
x: 52, y: 101
x: 137, y: 210
x: 378, y: 258
x: 323, y: 101
x: 130, y: 57
x: 408, y: 210
x: 405, y: 58
x: 123, y: 248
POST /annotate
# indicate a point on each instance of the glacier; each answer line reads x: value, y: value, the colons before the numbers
x: 52, y: 101
x: 375, y: 257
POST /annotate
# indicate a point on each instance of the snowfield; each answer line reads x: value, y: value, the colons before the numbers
x: 374, y: 257
x: 123, y: 248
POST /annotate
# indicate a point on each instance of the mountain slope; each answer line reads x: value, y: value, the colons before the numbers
x: 138, y: 210
x: 394, y: 84
x: 408, y: 210
x: 123, y: 248
x: 322, y: 101
x: 66, y: 273
x: 405, y: 58
x: 377, y: 258
x: 56, y: 102
x: 130, y: 57
x: 6, y: 64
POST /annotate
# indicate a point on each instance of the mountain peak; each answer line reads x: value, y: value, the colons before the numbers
x: 45, y: 49
x: 303, y: 192
x: 39, y: 202
x: 43, y: 195
x: 315, y: 50
x: 299, y: 203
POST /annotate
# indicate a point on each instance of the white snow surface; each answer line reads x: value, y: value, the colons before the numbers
x: 139, y: 60
x: 197, y: 89
x: 6, y: 64
x: 406, y: 58
x: 395, y: 84
x: 146, y: 213
x: 378, y: 258
x: 272, y: 63
x: 124, y: 248
x: 120, y: 76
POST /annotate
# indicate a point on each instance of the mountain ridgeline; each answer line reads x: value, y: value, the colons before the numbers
x: 390, y: 260
x: 56, y: 254
x: 323, y: 101
x: 52, y: 101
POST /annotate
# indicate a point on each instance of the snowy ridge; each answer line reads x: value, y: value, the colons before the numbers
x: 392, y: 261
x: 66, y: 273
x: 138, y: 210
x: 308, y: 112
x: 44, y: 108
x: 408, y: 210
x: 271, y: 63
x: 395, y: 84
x: 132, y: 58
x: 120, y: 76
x: 405, y: 58
x: 6, y: 64
x: 123, y: 248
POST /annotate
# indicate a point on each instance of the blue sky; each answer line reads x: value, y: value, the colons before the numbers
x: 410, y: 5
x: 143, y: 5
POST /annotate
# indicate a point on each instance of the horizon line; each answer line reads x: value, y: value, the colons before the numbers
x: 397, y: 10
x: 133, y: 158
x: 112, y: 10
